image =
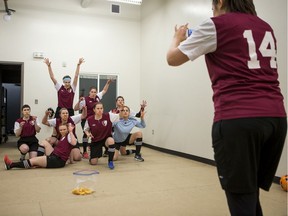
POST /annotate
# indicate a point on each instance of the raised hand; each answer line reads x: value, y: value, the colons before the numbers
x: 47, y: 61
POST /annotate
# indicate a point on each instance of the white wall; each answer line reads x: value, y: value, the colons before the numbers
x: 65, y: 32
x: 180, y: 105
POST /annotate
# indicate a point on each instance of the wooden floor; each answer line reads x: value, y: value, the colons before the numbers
x: 162, y: 185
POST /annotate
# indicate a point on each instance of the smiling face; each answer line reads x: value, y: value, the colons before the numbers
x: 64, y: 114
x: 92, y: 92
x: 67, y: 82
x: 63, y: 129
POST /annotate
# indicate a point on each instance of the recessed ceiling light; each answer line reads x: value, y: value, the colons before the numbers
x: 137, y: 2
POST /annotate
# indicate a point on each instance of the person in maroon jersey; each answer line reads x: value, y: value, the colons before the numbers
x: 120, y: 103
x: 250, y: 124
x: 99, y: 129
x: 26, y: 128
x: 75, y: 154
x: 56, y: 157
x: 89, y: 101
x: 65, y: 91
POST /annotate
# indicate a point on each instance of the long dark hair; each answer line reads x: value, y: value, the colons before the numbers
x: 241, y: 6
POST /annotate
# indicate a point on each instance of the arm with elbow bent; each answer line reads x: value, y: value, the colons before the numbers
x: 174, y: 56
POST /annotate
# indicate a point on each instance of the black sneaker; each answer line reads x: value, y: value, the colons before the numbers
x: 138, y: 158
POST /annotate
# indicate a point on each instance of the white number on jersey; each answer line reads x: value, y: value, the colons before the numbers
x: 264, y: 49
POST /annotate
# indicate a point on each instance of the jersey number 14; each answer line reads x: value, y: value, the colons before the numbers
x: 267, y: 49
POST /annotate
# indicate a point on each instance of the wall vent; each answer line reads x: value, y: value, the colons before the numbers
x: 115, y: 8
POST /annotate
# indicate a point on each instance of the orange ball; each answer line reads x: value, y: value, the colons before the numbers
x: 284, y: 182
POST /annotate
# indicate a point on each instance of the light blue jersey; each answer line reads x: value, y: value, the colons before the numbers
x: 123, y: 128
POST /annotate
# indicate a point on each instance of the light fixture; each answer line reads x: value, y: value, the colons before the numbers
x: 7, y: 17
x: 136, y: 2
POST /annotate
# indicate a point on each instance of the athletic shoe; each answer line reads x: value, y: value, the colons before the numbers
x: 105, y: 154
x: 7, y: 162
x: 85, y: 155
x: 138, y: 158
x: 111, y: 165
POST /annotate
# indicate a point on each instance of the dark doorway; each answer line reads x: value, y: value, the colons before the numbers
x: 10, y: 96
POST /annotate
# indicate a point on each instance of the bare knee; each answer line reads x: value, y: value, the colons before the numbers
x: 24, y: 148
x: 94, y: 161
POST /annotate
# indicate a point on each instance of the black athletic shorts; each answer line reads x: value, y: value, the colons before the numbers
x: 53, y: 161
x: 123, y: 144
x: 96, y: 149
x: 32, y: 142
x: 247, y: 152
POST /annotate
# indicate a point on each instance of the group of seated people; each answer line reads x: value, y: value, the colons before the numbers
x: 111, y: 130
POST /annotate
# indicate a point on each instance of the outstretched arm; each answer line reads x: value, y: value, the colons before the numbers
x: 106, y: 87
x: 75, y: 80
x: 51, y: 74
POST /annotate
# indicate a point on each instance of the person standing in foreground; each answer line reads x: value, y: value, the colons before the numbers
x: 66, y: 91
x: 250, y: 122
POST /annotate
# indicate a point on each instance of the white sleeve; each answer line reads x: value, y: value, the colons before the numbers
x: 114, y: 117
x: 100, y: 95
x: 52, y: 122
x: 73, y: 87
x: 37, y: 122
x: 57, y: 86
x: 202, y: 41
x: 82, y: 103
x: 86, y: 126
x: 16, y: 126
x: 76, y: 118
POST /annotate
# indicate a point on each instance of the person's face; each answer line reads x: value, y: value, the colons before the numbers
x: 67, y: 84
x: 64, y: 115
x: 63, y: 130
x: 92, y: 93
x: 98, y: 110
x: 26, y: 112
x: 120, y: 102
x: 125, y: 112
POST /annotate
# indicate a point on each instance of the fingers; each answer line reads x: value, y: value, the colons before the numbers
x: 81, y: 60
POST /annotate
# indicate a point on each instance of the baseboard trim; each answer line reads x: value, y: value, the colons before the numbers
x: 276, y: 179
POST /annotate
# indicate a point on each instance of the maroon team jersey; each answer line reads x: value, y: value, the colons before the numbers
x: 65, y: 97
x: 243, y: 69
x: 63, y: 148
x: 116, y: 111
x: 100, y: 129
x: 90, y: 102
x: 28, y: 128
